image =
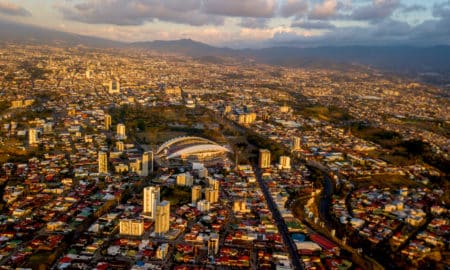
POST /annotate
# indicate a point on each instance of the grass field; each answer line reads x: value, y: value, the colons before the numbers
x: 392, y: 181
x: 324, y: 113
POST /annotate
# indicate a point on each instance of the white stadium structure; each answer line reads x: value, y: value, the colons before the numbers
x: 189, y: 149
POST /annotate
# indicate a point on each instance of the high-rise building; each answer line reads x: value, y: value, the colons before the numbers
x: 108, y: 121
x: 211, y: 195
x: 114, y: 87
x: 121, y: 131
x: 48, y: 128
x: 120, y: 146
x: 264, y: 158
x: 32, y: 136
x: 151, y: 201
x: 285, y: 162
x: 102, y: 162
x: 203, y: 206
x: 196, y: 193
x: 131, y: 227
x: 147, y: 159
x: 296, y: 143
x: 213, y: 244
x: 162, y: 219
x: 181, y: 179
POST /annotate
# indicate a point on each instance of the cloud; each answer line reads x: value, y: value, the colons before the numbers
x: 324, y: 10
x: 138, y: 12
x: 12, y: 9
x: 384, y: 32
x: 294, y: 8
x: 313, y: 25
x: 241, y: 8
x: 412, y: 8
x: 442, y: 10
x: 254, y: 22
x: 379, y: 9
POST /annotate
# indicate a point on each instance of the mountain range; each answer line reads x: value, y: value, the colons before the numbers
x: 399, y: 59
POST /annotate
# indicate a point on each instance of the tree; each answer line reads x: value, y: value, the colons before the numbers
x: 7, y: 80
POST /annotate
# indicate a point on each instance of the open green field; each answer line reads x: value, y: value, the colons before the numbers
x: 392, y: 181
x: 324, y: 113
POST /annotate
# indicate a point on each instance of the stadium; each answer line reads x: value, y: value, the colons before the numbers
x: 190, y: 149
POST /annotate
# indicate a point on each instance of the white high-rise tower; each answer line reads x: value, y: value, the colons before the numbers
x: 151, y: 200
x: 147, y: 160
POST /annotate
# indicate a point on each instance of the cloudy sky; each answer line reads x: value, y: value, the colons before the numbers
x: 244, y: 23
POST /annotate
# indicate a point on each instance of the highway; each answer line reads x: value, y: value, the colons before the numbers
x: 282, y: 228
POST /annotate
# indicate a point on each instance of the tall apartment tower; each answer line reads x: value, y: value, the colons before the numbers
x: 213, y: 244
x: 296, y: 143
x: 108, y: 121
x: 151, y: 201
x: 102, y: 162
x: 32, y: 136
x: 147, y: 159
x: 120, y: 146
x: 196, y: 193
x: 162, y: 219
x: 211, y: 195
x: 114, y: 87
x: 285, y: 162
x: 264, y: 158
x: 121, y: 131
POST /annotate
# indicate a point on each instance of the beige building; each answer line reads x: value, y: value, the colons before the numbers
x: 296, y: 143
x: 285, y: 162
x: 264, y: 159
x: 196, y: 193
x: 151, y: 201
x: 211, y: 195
x: 32, y: 136
x: 102, y: 162
x: 162, y: 219
x: 246, y: 118
x: 131, y: 227
x: 213, y: 244
x: 120, y: 146
x: 147, y: 163
x: 121, y: 131
x: 108, y: 121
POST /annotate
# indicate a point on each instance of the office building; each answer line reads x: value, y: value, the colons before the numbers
x: 285, y: 162
x: 213, y: 244
x: 296, y: 143
x: 48, y: 128
x: 131, y: 227
x: 121, y: 131
x: 108, y: 121
x: 196, y: 193
x: 151, y: 201
x: 211, y: 195
x: 162, y: 218
x: 32, y: 136
x: 203, y: 206
x: 162, y: 251
x: 102, y: 162
x: 181, y: 179
x: 114, y: 87
x: 264, y: 158
x: 147, y: 163
x: 120, y: 146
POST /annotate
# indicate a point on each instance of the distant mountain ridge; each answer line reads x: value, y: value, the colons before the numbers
x: 402, y: 59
